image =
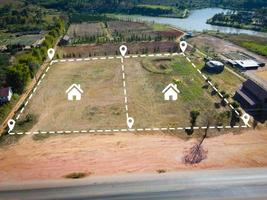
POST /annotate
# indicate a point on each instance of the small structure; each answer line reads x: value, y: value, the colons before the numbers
x: 214, y: 66
x: 252, y: 96
x: 74, y: 92
x: 5, y: 95
x: 247, y: 64
x: 242, y: 60
x: 171, y: 92
x: 65, y: 40
x: 38, y: 42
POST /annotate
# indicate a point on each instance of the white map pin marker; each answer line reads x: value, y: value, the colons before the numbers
x: 246, y: 119
x: 11, y: 124
x: 123, y: 50
x: 50, y: 53
x: 183, y: 46
x: 130, y: 122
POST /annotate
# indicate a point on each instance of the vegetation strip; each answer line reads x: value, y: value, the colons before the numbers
x: 125, y: 91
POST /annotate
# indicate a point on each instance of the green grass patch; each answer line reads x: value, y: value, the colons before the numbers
x: 256, y: 47
x: 6, y: 108
x: 189, y: 81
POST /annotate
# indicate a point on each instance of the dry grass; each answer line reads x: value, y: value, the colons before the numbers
x: 101, y: 105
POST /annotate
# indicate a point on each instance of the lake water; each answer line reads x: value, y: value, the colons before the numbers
x: 197, y: 22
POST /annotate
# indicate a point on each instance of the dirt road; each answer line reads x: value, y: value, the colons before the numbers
x: 122, y: 153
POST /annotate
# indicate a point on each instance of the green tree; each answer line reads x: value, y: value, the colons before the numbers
x: 18, y: 76
x: 194, y: 115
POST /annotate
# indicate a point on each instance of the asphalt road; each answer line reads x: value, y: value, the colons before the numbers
x: 242, y: 184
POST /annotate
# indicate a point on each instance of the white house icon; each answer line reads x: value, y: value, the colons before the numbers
x: 171, y: 92
x: 74, y: 92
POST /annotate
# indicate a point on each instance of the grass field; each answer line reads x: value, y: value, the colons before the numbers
x: 146, y: 98
x: 102, y: 105
x: 225, y: 80
x: 253, y: 43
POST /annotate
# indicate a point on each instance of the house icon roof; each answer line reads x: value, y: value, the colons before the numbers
x: 73, y: 87
x: 171, y: 86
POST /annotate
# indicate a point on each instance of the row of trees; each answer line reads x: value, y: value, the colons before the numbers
x: 26, y: 65
x: 249, y: 19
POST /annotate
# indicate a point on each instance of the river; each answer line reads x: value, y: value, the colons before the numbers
x: 197, y: 22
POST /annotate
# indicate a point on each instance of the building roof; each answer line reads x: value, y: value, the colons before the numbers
x: 4, y: 92
x: 171, y: 85
x: 74, y: 86
x: 247, y: 63
x: 66, y: 37
x: 255, y: 89
x: 216, y: 63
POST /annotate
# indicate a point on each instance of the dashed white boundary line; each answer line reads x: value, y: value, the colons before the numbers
x: 125, y: 94
x: 212, y: 85
x: 129, y: 130
x: 124, y: 87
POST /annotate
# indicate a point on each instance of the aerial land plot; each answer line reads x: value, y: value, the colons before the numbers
x: 101, y: 105
x: 146, y: 79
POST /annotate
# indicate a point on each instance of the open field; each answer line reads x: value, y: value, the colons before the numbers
x: 221, y: 46
x: 121, y: 153
x: 252, y: 43
x: 146, y: 103
x: 102, y: 104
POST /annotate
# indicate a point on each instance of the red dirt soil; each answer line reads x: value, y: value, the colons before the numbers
x: 121, y: 153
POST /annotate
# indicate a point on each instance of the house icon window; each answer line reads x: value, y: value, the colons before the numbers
x: 74, y: 92
x: 171, y: 92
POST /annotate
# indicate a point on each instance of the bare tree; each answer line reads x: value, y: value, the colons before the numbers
x: 197, y: 153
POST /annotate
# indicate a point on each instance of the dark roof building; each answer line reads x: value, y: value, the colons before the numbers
x: 65, y: 40
x: 5, y: 94
x: 253, y: 98
x: 214, y: 66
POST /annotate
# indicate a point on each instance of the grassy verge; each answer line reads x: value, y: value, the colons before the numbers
x: 255, y: 44
x: 7, y: 107
x: 255, y: 47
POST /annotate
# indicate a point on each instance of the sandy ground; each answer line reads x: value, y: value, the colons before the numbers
x: 122, y: 153
x: 223, y: 46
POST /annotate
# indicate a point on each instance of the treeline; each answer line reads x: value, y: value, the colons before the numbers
x: 26, y: 64
x: 192, y: 4
x: 22, y: 17
x: 255, y: 20
x: 103, y: 6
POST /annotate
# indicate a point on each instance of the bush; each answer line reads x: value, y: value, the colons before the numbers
x: 76, y: 175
